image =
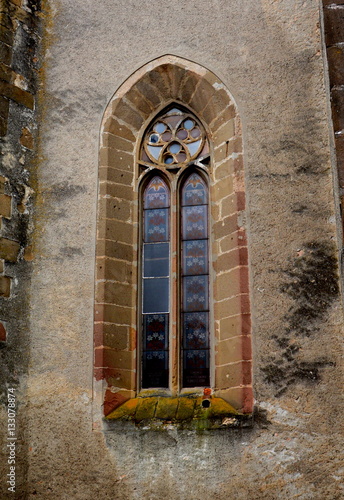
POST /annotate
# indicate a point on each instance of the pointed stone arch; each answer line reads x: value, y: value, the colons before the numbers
x: 169, y: 79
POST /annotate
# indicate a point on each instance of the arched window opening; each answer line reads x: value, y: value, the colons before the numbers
x: 195, y: 283
x: 175, y: 315
x: 172, y: 304
x: 155, y: 284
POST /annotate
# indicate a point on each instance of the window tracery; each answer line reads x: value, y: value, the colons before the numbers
x: 175, y: 138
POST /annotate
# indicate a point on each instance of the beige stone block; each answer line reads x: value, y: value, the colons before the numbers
x: 222, y: 188
x: 228, y: 206
x: 234, y: 326
x: 127, y: 114
x: 122, y: 378
x: 113, y: 269
x: 233, y: 265
x: 232, y: 306
x: 111, y: 335
x: 5, y: 205
x: 225, y: 169
x: 227, y: 284
x: 118, y: 143
x: 116, y: 231
x: 115, y: 208
x: 117, y: 314
x: 118, y: 128
x: 234, y: 240
x: 233, y: 375
x: 149, y: 91
x: 225, y: 133
x: 223, y: 117
x: 115, y: 249
x: 216, y: 104
x: 3, y: 181
x: 160, y: 79
x: 232, y: 350
x: 117, y: 190
x: 9, y: 249
x: 202, y: 95
x: 220, y: 153
x: 188, y: 86
x: 118, y: 293
x: 139, y: 102
x: 112, y: 358
x: 114, y: 158
x: 226, y: 226
x: 241, y: 398
x: 109, y: 176
x: 5, y: 286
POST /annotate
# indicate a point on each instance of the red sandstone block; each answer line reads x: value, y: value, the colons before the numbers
x: 112, y: 400
x: 2, y: 333
x: 241, y: 200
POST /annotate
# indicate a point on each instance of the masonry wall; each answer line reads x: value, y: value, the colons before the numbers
x: 270, y: 57
x: 19, y: 64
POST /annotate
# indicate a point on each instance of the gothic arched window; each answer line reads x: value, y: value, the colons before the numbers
x: 172, y: 306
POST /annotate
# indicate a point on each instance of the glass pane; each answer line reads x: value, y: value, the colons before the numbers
x: 156, y: 194
x: 155, y: 369
x: 194, y: 222
x: 156, y: 225
x: 159, y: 127
x: 155, y: 332
x: 155, y: 259
x: 195, y: 257
x: 195, y: 330
x: 195, y: 293
x: 194, y: 191
x: 155, y: 295
x: 196, y: 368
x: 193, y: 147
x: 154, y: 151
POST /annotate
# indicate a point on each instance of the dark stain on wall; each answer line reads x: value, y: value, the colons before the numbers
x: 312, y: 283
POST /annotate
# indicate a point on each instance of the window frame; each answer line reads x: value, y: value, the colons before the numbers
x: 149, y: 90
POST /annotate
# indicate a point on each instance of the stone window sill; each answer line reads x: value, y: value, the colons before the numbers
x: 191, y: 412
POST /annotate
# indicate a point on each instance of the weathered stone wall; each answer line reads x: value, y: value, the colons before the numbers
x: 19, y: 64
x: 269, y: 56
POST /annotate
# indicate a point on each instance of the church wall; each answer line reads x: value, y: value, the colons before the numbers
x: 270, y: 57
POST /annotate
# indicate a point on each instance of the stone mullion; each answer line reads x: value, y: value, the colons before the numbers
x: 175, y: 294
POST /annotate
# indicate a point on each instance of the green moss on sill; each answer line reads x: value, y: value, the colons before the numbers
x: 184, y: 412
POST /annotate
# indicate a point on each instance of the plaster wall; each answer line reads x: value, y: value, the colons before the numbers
x: 269, y: 55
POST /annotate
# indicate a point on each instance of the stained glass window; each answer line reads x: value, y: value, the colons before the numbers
x: 155, y: 284
x: 195, y: 283
x: 174, y: 138
x: 178, y: 308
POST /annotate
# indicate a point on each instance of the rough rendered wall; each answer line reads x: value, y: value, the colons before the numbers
x: 269, y: 55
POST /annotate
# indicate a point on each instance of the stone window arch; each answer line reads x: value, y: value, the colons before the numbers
x: 163, y: 83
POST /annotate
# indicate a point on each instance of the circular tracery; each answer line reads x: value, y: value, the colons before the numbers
x: 174, y: 138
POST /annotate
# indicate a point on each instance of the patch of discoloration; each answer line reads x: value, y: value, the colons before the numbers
x: 312, y: 284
